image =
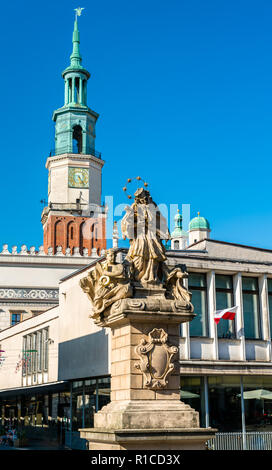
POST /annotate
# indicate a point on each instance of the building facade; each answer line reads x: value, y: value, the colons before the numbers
x: 221, y: 365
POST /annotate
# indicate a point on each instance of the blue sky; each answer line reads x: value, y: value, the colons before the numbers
x: 184, y: 93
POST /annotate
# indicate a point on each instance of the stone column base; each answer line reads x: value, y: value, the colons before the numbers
x: 146, y: 414
x: 148, y: 439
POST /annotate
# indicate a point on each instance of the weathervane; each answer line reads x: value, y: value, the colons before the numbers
x: 78, y: 11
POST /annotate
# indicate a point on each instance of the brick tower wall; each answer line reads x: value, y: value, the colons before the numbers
x: 71, y: 232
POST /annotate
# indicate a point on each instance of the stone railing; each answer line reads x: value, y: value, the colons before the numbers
x: 75, y: 252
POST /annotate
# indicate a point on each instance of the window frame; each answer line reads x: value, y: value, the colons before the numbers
x: 15, y: 313
x: 226, y: 290
x: 205, y: 289
x: 39, y: 359
x: 253, y: 292
x: 269, y: 295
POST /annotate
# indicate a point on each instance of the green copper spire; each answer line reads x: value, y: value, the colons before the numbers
x: 75, y: 121
x: 75, y: 57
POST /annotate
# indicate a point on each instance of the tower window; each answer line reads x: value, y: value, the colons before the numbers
x: 77, y: 100
x: 176, y: 245
x: 84, y: 91
x: 77, y: 139
x: 69, y: 90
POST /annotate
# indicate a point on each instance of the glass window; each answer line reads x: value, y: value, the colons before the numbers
x: 34, y: 354
x: 197, y: 286
x: 39, y: 352
x: 90, y: 402
x: 77, y: 405
x: 23, y: 355
x: 250, y: 284
x: 258, y: 403
x: 224, y: 299
x: 45, y: 349
x: 225, y: 403
x: 192, y: 393
x: 103, y: 389
x: 15, y: 318
x: 269, y: 286
x: 251, y: 308
x: 27, y: 354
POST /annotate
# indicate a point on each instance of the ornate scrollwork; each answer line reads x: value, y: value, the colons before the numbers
x: 135, y: 304
x: 156, y: 359
x: 24, y: 293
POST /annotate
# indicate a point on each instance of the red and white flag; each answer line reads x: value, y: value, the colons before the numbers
x: 227, y: 314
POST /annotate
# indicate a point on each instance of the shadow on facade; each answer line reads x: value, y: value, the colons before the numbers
x: 82, y: 357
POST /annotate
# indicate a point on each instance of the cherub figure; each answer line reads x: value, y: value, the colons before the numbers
x: 106, y: 283
x: 174, y: 284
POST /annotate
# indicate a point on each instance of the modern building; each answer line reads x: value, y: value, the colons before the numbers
x: 54, y: 361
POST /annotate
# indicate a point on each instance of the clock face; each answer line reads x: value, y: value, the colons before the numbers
x: 78, y: 178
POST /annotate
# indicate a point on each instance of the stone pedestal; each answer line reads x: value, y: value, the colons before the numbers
x: 145, y: 411
x: 149, y: 439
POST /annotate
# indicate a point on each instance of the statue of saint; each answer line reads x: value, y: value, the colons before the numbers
x: 145, y: 227
x: 144, y: 266
x: 106, y: 283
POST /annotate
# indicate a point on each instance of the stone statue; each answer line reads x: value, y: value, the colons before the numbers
x: 174, y: 285
x: 143, y: 281
x: 106, y: 283
x: 145, y: 227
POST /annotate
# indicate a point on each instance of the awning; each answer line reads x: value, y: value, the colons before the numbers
x: 51, y: 387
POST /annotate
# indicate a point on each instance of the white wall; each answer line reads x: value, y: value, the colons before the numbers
x: 83, y: 346
x: 11, y: 341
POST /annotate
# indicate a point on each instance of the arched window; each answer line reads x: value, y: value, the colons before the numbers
x: 77, y: 139
x: 93, y: 233
x: 59, y: 241
x: 71, y: 235
x: 176, y: 245
x: 81, y: 238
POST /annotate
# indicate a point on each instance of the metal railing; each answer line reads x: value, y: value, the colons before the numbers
x: 241, y: 441
x: 60, y: 151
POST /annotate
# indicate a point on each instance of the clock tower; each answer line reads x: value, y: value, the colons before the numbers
x: 74, y: 217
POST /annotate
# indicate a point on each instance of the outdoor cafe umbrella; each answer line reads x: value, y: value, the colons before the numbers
x: 260, y: 394
x: 186, y: 394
